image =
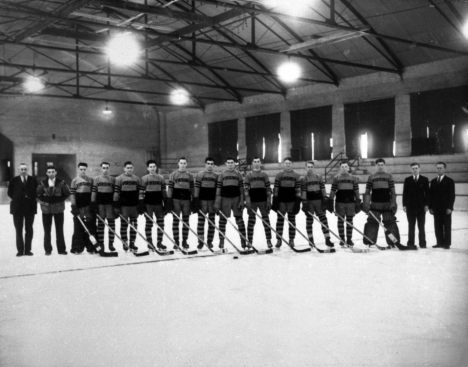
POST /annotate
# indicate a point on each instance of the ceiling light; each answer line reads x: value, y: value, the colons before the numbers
x: 106, y: 110
x: 465, y: 30
x: 289, y: 72
x: 179, y: 96
x: 299, y: 8
x: 33, y: 84
x: 123, y: 49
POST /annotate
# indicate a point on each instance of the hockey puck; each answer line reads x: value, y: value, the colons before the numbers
x: 235, y: 257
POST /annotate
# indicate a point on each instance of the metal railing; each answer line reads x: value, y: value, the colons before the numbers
x: 336, y: 161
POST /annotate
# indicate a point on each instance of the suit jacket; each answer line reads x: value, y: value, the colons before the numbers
x: 416, y: 194
x: 23, y: 197
x: 52, y: 199
x: 442, y: 195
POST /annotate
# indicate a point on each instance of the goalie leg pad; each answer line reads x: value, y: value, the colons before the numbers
x: 371, y: 230
x: 388, y: 217
x: 392, y: 227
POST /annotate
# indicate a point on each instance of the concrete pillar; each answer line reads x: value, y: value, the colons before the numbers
x: 241, y: 139
x: 402, y: 125
x: 338, y: 129
x: 285, y: 130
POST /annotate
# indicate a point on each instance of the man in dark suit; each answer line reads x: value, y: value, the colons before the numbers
x: 416, y: 204
x: 52, y: 193
x: 23, y: 207
x: 442, y: 198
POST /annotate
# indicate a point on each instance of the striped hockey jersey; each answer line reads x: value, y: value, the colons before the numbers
x: 127, y: 189
x: 205, y: 185
x: 103, y: 189
x: 345, y: 185
x: 230, y: 184
x: 312, y: 186
x: 287, y: 186
x: 80, y: 191
x: 181, y: 185
x: 153, y: 189
x: 257, y: 186
x: 381, y: 185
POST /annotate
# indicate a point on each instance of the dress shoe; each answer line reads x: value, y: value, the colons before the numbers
x: 29, y: 253
x: 446, y: 247
x: 438, y: 246
x: 422, y: 246
x: 19, y: 254
x: 412, y: 247
x: 48, y: 253
x: 63, y: 253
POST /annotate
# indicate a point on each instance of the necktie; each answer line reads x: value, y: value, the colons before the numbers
x: 24, y: 180
x: 415, y: 179
x: 438, y: 180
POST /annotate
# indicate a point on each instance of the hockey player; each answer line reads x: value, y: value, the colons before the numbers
x: 382, y: 201
x: 315, y: 201
x: 258, y: 196
x: 230, y: 197
x: 80, y: 197
x: 127, y: 203
x: 179, y: 196
x: 153, y: 193
x: 101, y: 203
x: 204, y: 198
x: 287, y: 199
x: 347, y: 203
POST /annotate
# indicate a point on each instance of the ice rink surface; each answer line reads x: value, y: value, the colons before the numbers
x: 382, y: 308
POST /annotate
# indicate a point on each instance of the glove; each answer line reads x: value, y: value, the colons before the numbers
x: 275, y: 205
x: 116, y: 206
x: 94, y: 207
x: 297, y: 206
x: 240, y: 206
x: 393, y: 207
x: 268, y: 206
x: 357, y: 206
x: 217, y: 204
x: 365, y: 207
x: 248, y: 204
x: 164, y: 205
x: 195, y: 205
x: 141, y: 207
x: 169, y: 205
x: 74, y: 210
x: 327, y: 204
x: 305, y: 207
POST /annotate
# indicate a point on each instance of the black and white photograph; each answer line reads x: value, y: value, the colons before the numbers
x: 234, y: 183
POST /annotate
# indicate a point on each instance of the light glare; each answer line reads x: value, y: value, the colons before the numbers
x: 33, y: 84
x: 179, y: 96
x: 123, y: 49
x: 285, y: 7
x: 465, y: 30
x: 289, y: 72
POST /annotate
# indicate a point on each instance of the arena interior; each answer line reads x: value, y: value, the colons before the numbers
x: 313, y: 80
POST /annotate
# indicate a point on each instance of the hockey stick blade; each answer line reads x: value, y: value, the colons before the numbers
x: 151, y: 247
x: 193, y: 252
x: 108, y: 254
x: 139, y: 254
x: 326, y: 251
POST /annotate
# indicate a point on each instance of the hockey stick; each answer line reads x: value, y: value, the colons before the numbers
x: 357, y: 230
x: 145, y: 253
x: 328, y: 250
x: 344, y: 244
x: 277, y: 235
x: 242, y: 252
x: 389, y: 234
x: 125, y: 245
x: 176, y: 245
x: 259, y: 252
x: 311, y: 244
x: 95, y: 243
x: 220, y: 251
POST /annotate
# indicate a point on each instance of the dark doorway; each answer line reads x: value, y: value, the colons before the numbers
x: 65, y: 164
x: 222, y: 140
x: 6, y: 159
x: 262, y: 137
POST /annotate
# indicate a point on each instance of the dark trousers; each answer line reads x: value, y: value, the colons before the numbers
x: 80, y: 238
x: 23, y: 246
x: 443, y: 228
x: 47, y: 223
x: 414, y: 217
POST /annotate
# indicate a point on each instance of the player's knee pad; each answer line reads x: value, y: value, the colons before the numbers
x: 371, y: 230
